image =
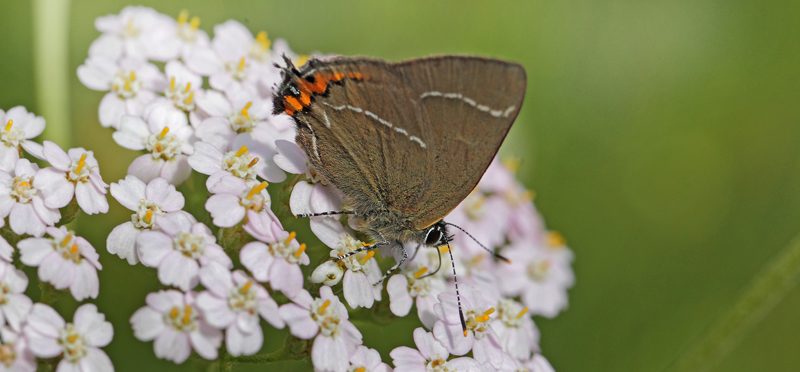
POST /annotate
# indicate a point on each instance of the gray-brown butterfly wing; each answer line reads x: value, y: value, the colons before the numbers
x: 470, y: 104
x: 412, y: 137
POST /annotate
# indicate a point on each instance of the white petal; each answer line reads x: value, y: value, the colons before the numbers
x: 96, y: 360
x: 90, y: 199
x: 129, y: 192
x: 122, y: 242
x: 147, y: 323
x: 111, y: 110
x: 145, y: 167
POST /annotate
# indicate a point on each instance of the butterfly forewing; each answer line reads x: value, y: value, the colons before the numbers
x: 412, y: 137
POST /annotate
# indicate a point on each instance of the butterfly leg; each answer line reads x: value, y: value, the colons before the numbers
x: 393, y: 268
x: 332, y: 213
x: 362, y: 249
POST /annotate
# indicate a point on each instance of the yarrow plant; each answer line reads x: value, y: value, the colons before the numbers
x: 232, y: 274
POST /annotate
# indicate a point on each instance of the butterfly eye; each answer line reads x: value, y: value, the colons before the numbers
x: 433, y: 237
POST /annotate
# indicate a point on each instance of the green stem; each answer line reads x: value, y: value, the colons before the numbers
x: 51, y: 43
x: 293, y: 349
x: 765, y: 292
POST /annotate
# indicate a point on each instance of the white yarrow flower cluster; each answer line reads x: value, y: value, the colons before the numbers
x: 224, y: 129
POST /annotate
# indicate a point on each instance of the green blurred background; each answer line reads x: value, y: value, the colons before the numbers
x: 660, y: 137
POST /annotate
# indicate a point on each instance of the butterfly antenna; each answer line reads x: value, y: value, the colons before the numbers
x: 497, y: 256
x: 458, y: 296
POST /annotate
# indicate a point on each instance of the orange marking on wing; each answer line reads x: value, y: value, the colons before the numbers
x: 289, y: 111
x: 320, y: 83
x: 336, y: 77
x: 293, y: 102
x: 306, y: 85
x: 305, y: 97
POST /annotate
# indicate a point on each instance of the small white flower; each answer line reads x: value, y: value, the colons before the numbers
x: 72, y: 174
x: 166, y: 136
x: 147, y: 201
x: 276, y: 257
x: 172, y: 319
x: 324, y: 319
x: 250, y: 159
x: 15, y: 352
x: 429, y: 356
x: 540, y: 273
x: 176, y: 39
x: 14, y: 304
x: 178, y: 249
x: 238, y: 113
x: 64, y: 260
x: 518, y: 335
x: 22, y: 202
x: 131, y: 82
x: 233, y: 198
x: 78, y: 342
x: 234, y: 303
x: 133, y: 33
x: 184, y: 91
x: 17, y: 126
x: 361, y: 271
x: 412, y: 286
x: 367, y: 360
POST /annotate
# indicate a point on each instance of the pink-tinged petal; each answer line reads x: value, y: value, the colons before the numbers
x: 329, y: 354
x: 129, y: 192
x: 24, y: 167
x: 328, y: 230
x: 94, y: 75
x: 33, y: 250
x: 147, y: 323
x: 33, y: 148
x: 406, y: 359
x: 163, y: 114
x: 57, y: 271
x: 15, y: 280
x: 357, y: 290
x: 176, y: 170
x: 122, y: 242
x: 89, y: 199
x: 428, y: 346
x: 214, y: 104
x: 261, y: 226
x: 286, y: 277
x: 215, y: 254
x: 325, y: 199
x: 225, y: 209
x: 145, y: 167
x: 93, y: 325
x: 45, y: 320
x: 6, y: 250
x: 49, y: 216
x: 86, y: 283
x: 425, y: 312
x: 206, y: 158
x: 173, y: 223
x: 153, y: 246
x: 54, y: 186
x: 165, y: 300
x: 256, y: 258
x: 467, y: 364
x: 241, y: 343
x: 43, y: 346
x: 8, y: 157
x: 56, y: 156
x: 172, y: 345
x: 448, y: 309
x: 299, y: 201
x: 106, y: 46
x: 264, y: 150
x: 132, y: 133
x: 223, y: 182
x: 268, y: 309
x: 290, y: 157
x: 299, y: 321
x: 95, y: 360
x: 206, y: 340
x: 17, y: 309
x: 399, y: 300
x: 111, y: 110
x: 350, y: 333
x: 216, y: 279
x: 452, y: 337
x: 178, y: 270
x: 162, y: 192
x: 488, y: 350
x: 215, y: 310
x: 24, y: 220
x: 203, y: 60
x: 216, y: 131
x: 6, y: 204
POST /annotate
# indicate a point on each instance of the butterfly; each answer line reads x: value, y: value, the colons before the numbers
x: 404, y: 142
